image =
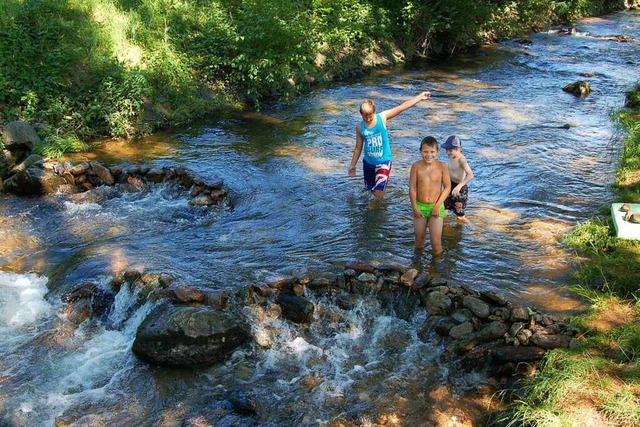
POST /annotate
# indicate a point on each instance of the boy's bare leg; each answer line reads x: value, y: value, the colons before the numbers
x: 420, y: 231
x: 435, y: 234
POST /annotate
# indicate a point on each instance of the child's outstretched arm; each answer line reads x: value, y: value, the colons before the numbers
x: 388, y: 114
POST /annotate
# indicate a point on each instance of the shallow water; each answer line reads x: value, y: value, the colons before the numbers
x: 291, y: 204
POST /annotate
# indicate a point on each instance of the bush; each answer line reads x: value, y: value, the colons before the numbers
x: 127, y: 67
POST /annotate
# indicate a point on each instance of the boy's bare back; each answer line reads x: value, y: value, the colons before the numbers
x: 430, y: 180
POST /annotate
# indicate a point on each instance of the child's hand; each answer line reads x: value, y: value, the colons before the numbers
x: 425, y: 95
x: 456, y: 191
x: 417, y: 213
x: 352, y: 171
x: 435, y: 212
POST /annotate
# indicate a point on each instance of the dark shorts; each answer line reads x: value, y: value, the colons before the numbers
x: 376, y: 176
x: 460, y: 199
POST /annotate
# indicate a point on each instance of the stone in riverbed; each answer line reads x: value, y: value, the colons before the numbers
x: 189, y: 336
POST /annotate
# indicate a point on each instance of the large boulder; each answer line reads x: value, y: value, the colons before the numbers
x: 19, y: 135
x: 7, y: 161
x: 30, y: 179
x: 579, y: 88
x: 189, y: 336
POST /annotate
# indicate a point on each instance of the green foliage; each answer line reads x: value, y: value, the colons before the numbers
x: 623, y: 408
x: 633, y: 98
x: 561, y: 374
x: 54, y: 147
x: 593, y: 236
x: 127, y: 67
x: 611, y: 264
x: 445, y: 27
x: 571, y: 10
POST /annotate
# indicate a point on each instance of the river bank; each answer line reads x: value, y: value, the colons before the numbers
x: 599, y: 382
x: 128, y: 70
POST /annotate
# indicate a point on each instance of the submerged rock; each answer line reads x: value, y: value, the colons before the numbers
x: 579, y: 88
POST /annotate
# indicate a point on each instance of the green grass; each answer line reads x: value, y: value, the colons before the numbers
x: 55, y: 147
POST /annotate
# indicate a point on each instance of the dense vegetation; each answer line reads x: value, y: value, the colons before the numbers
x: 121, y: 68
x: 599, y: 382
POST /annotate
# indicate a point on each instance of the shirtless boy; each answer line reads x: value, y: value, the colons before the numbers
x: 461, y: 174
x: 429, y: 186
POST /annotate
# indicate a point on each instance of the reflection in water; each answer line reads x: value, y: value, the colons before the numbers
x: 291, y: 205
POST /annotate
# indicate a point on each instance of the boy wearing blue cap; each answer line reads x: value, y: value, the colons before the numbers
x: 460, y: 173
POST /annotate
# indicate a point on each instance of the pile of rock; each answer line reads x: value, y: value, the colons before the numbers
x: 480, y: 328
x: 89, y: 175
x: 191, y: 327
x: 27, y: 174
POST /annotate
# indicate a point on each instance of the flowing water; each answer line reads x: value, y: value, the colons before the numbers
x: 543, y: 159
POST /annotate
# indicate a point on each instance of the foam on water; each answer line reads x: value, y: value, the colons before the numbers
x: 86, y: 367
x: 22, y: 301
x: 74, y: 208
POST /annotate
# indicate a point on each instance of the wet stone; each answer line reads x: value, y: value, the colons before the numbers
x: 407, y: 278
x: 461, y: 331
x: 519, y: 314
x: 477, y: 306
x: 515, y: 328
x: 462, y: 315
x: 360, y: 267
x: 436, y: 303
x: 367, y: 277
x: 493, y: 298
x: 492, y: 331
x: 551, y: 341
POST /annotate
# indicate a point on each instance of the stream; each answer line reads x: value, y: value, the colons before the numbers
x: 544, y: 161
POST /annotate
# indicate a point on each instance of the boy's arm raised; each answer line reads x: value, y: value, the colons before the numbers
x: 391, y: 113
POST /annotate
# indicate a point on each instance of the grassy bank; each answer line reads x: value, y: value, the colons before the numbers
x: 597, y: 384
x: 121, y: 68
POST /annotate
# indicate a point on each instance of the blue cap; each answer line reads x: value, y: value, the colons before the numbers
x: 451, y: 143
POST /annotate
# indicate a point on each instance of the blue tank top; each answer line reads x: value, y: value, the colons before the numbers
x: 375, y: 142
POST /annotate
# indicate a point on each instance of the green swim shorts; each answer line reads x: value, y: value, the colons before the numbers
x: 426, y: 209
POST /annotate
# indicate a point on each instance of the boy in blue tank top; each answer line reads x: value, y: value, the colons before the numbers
x: 372, y: 138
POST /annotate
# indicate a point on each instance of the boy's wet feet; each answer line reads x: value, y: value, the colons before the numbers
x: 376, y: 204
